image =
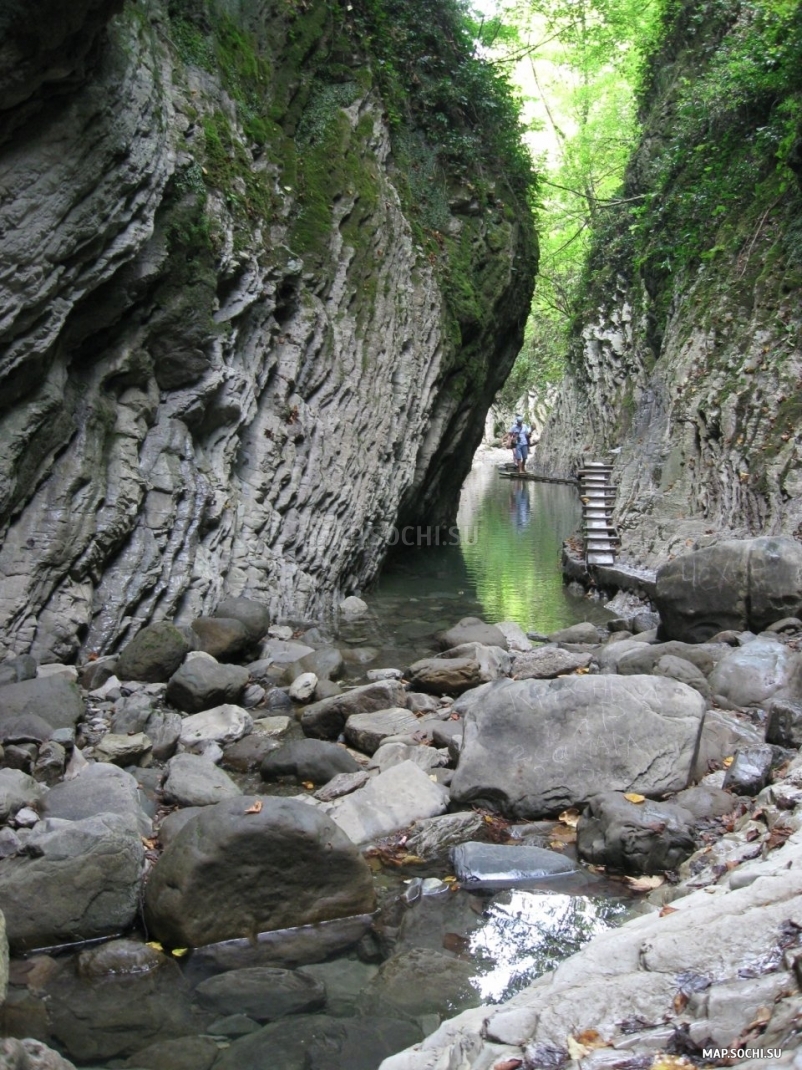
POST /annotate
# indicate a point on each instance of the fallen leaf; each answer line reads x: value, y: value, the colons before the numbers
x: 556, y: 845
x: 575, y: 1049
x: 256, y: 808
x: 667, y: 910
x: 671, y: 1062
x: 591, y: 1038
x: 150, y: 844
x: 155, y: 945
x: 680, y: 1002
x: 509, y: 1064
x: 449, y: 880
x: 777, y: 837
x: 644, y: 884
x: 179, y: 952
x: 582, y: 671
x: 728, y: 761
x: 410, y: 860
x: 633, y: 797
x: 570, y: 817
x: 308, y: 784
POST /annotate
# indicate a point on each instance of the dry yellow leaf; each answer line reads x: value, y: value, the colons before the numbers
x: 633, y: 797
x: 179, y: 952
x: 666, y: 911
x: 570, y: 817
x: 728, y: 761
x: 450, y: 880
x: 410, y: 860
x: 256, y: 808
x: 575, y: 1049
x: 644, y: 884
x: 155, y: 945
x: 308, y: 784
x: 583, y: 671
x: 671, y: 1062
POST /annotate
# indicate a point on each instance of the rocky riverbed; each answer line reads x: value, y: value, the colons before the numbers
x: 219, y: 846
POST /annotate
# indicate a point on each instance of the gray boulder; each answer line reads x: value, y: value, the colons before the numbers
x: 367, y: 731
x: 14, y: 670
x: 642, y: 658
x: 100, y: 788
x: 28, y: 728
x: 750, y: 675
x: 282, y: 865
x: 722, y: 732
x: 308, y: 759
x: 30, y: 1054
x: 53, y: 698
x: 472, y: 630
x: 78, y: 880
x: 262, y: 992
x: 784, y: 725
x: 326, y: 663
x: 195, y: 781
x: 253, y: 615
x: 684, y: 671
x: 223, y: 637
x: 391, y: 801
x: 636, y: 838
x: 534, y: 747
x: 508, y: 864
x: 459, y: 669
x: 17, y: 791
x: 131, y: 714
x: 163, y: 729
x: 153, y: 655
x: 221, y: 724
x: 735, y: 584
x: 548, y: 662
x: 202, y: 683
x: 326, y: 719
x: 576, y: 633
x: 750, y: 770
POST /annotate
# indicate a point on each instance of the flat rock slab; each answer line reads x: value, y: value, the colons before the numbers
x: 222, y: 724
x: 472, y: 630
x: 342, y: 784
x: 80, y: 880
x: 55, y: 699
x: 496, y: 863
x: 391, y: 801
x: 534, y: 747
x: 547, y: 663
x: 326, y: 719
x: 195, y: 781
x: 367, y: 731
x: 252, y: 864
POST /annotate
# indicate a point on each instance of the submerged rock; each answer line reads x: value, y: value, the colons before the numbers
x: 261, y: 992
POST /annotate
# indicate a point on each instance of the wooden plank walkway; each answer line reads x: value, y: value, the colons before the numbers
x: 598, y: 497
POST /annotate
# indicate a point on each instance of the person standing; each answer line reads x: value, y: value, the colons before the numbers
x: 519, y: 437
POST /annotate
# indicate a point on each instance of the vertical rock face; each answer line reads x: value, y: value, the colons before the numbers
x: 233, y: 342
x: 688, y: 359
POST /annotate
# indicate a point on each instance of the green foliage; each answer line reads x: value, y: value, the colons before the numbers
x: 734, y: 123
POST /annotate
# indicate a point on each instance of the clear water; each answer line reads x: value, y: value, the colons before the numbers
x: 502, y: 562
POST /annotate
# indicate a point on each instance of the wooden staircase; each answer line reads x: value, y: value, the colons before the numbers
x: 598, y: 497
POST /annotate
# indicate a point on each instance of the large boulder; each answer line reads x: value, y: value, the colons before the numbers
x: 534, y: 747
x: 326, y: 719
x: 735, y: 584
x: 154, y: 654
x: 53, y: 698
x: 202, y: 683
x: 77, y: 880
x: 629, y: 837
x: 252, y: 864
x: 750, y: 675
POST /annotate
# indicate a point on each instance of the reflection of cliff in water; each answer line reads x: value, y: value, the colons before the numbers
x: 512, y: 533
x: 502, y: 562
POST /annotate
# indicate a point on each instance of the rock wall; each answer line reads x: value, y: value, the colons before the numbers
x: 231, y: 349
x: 687, y: 362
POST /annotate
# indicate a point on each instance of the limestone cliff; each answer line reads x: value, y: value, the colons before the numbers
x: 688, y: 352
x: 259, y: 285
